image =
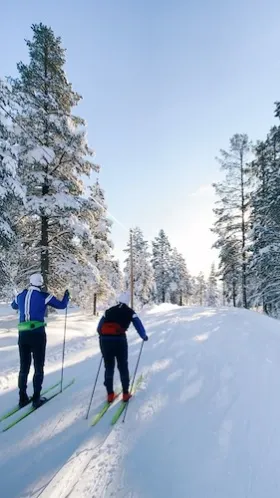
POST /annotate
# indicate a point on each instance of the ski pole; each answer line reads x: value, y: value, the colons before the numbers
x: 91, y: 398
x: 133, y: 381
x: 63, y: 348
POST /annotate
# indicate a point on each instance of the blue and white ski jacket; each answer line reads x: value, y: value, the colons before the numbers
x: 32, y: 304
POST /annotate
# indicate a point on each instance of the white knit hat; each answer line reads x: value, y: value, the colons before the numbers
x: 37, y: 280
x: 124, y: 298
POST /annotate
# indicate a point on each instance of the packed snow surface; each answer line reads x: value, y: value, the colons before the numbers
x: 205, y: 424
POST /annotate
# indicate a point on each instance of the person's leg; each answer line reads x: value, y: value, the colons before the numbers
x: 25, y: 362
x: 107, y: 346
x: 39, y: 353
x: 122, y: 360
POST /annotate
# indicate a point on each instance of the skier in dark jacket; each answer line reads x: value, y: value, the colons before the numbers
x: 32, y: 304
x: 113, y: 343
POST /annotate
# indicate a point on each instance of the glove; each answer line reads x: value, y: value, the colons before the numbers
x: 67, y: 294
x: 146, y: 338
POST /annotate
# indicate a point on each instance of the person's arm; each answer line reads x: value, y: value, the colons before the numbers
x: 14, y: 304
x: 139, y: 327
x: 99, y: 326
x: 55, y: 303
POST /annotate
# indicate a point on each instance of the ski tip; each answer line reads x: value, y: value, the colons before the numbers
x: 32, y: 409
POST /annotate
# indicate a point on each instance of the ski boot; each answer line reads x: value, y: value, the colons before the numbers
x: 126, y: 397
x: 111, y: 397
x: 23, y: 400
x: 37, y: 402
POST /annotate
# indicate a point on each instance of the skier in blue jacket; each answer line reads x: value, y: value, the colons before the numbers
x: 113, y: 343
x: 32, y: 304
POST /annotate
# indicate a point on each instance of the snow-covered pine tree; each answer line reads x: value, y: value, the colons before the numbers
x: 161, y: 261
x: 264, y: 268
x: 212, y: 288
x: 143, y: 274
x: 54, y: 158
x: 180, y: 287
x: 230, y: 269
x: 201, y: 289
x: 12, y: 195
x: 115, y: 279
x: 198, y: 290
x: 193, y: 287
x: 231, y: 226
x: 97, y: 246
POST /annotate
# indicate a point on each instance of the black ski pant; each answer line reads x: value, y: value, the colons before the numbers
x: 115, y: 348
x: 32, y: 343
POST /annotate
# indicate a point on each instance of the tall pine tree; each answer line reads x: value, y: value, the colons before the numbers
x: 231, y: 226
x: 201, y: 289
x: 143, y: 274
x: 12, y: 194
x: 161, y: 262
x: 54, y: 158
x: 180, y: 279
x: 97, y: 246
x: 264, y: 269
x: 212, y: 288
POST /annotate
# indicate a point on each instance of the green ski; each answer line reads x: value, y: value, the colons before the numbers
x: 123, y: 404
x: 103, y: 410
x: 31, y: 409
x: 17, y: 408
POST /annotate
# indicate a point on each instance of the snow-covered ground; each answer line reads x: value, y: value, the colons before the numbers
x: 204, y: 425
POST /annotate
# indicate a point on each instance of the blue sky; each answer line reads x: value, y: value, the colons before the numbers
x: 165, y: 84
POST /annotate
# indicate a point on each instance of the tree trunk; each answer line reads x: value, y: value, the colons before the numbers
x: 200, y: 295
x: 234, y: 292
x: 45, y: 244
x: 95, y: 294
x: 243, y: 208
x: 181, y: 298
x: 224, y: 293
x: 94, y: 303
x: 162, y: 283
x: 45, y: 263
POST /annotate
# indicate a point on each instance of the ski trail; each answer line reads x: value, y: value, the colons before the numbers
x: 101, y: 470
x: 205, y: 423
x: 66, y: 478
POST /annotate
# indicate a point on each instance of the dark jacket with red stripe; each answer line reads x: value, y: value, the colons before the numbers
x: 116, y: 321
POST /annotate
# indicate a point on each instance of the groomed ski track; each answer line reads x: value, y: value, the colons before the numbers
x: 205, y: 424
